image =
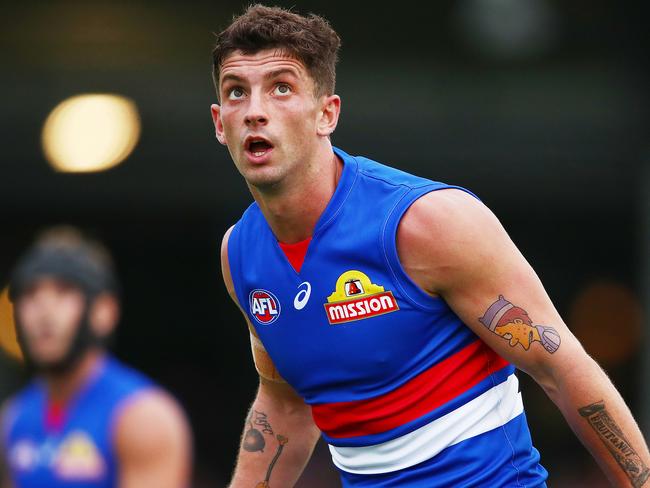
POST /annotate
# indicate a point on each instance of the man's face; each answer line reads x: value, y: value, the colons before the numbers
x: 268, y: 116
x: 50, y: 313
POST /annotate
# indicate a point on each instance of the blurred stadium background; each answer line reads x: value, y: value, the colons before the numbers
x: 541, y: 107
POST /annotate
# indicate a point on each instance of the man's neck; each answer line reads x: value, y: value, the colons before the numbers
x: 293, y: 214
x: 62, y: 386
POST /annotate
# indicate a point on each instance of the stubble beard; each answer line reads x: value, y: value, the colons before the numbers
x: 269, y: 179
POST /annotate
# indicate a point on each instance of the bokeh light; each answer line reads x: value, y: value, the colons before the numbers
x: 8, y: 340
x: 507, y: 29
x: 91, y: 132
x: 607, y: 319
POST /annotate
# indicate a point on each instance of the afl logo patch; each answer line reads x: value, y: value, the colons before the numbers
x: 264, y: 306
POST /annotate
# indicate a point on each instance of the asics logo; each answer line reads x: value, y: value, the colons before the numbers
x: 303, y: 295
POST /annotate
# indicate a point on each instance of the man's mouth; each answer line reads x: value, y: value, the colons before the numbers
x: 258, y: 146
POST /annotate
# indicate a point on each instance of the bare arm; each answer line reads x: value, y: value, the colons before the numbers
x: 5, y: 481
x: 480, y: 273
x: 279, y: 437
x: 279, y: 433
x: 153, y: 443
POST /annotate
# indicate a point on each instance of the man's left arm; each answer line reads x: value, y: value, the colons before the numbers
x: 454, y: 247
x: 153, y: 443
x: 5, y: 481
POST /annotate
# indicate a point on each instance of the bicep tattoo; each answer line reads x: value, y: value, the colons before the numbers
x: 513, y: 324
x: 612, y: 436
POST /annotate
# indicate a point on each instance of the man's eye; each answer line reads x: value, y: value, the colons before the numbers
x: 282, y: 89
x: 235, y: 94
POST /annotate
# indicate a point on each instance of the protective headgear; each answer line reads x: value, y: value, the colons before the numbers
x: 75, y: 262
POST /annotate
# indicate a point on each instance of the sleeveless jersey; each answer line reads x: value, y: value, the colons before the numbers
x: 404, y: 393
x: 80, y: 453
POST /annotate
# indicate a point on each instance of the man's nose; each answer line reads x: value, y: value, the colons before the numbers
x: 45, y: 300
x: 256, y: 114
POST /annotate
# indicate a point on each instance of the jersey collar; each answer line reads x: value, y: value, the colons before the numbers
x: 343, y: 188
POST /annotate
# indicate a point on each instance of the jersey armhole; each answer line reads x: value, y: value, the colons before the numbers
x: 234, y: 264
x: 263, y: 365
x: 262, y: 361
x: 412, y: 291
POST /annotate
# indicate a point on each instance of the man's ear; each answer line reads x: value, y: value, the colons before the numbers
x: 215, y: 109
x: 329, y: 115
x: 104, y: 314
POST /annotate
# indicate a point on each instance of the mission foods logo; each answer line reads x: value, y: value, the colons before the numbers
x: 75, y: 458
x: 264, y: 306
x: 79, y: 458
x: 356, y: 298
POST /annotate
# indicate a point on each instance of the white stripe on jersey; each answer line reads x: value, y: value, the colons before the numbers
x: 492, y: 409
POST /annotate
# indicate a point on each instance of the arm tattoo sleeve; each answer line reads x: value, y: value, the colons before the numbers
x: 281, y: 442
x: 258, y: 425
x: 513, y: 324
x: 610, y: 434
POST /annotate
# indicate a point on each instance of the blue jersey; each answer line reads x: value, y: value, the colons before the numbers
x: 404, y: 393
x: 81, y: 452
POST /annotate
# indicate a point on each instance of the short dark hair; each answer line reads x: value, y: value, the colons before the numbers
x: 66, y: 237
x: 309, y: 38
x: 66, y: 253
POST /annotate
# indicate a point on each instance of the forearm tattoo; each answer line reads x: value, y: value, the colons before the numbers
x: 619, y: 447
x: 513, y: 324
x: 258, y: 425
x: 254, y: 438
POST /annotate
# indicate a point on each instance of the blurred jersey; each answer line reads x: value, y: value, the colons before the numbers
x: 74, y: 446
x: 404, y: 392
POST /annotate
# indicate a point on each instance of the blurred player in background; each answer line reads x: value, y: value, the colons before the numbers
x: 85, y: 420
x: 385, y: 309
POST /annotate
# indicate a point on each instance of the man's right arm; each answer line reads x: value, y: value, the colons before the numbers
x: 279, y: 437
x: 279, y: 433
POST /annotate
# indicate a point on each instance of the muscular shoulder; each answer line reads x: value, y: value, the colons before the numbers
x: 444, y: 233
x: 153, y: 442
x: 151, y: 424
